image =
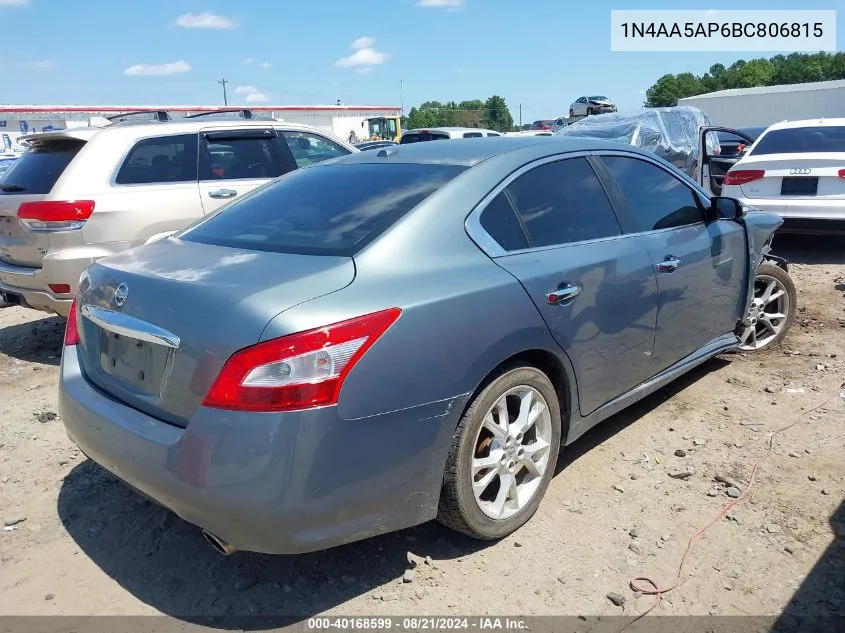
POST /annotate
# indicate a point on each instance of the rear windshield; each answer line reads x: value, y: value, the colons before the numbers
x: 415, y: 137
x: 797, y: 140
x: 38, y: 169
x: 323, y: 210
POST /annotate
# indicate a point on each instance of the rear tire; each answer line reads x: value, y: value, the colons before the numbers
x: 493, y: 501
x: 774, y: 294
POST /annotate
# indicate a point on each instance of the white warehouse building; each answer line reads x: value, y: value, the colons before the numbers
x: 765, y: 105
x: 341, y: 120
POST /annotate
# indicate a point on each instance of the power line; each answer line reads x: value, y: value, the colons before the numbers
x: 223, y: 83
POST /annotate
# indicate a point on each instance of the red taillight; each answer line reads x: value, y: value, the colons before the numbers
x: 60, y: 289
x: 742, y: 176
x: 842, y: 173
x: 56, y: 215
x: 300, y: 371
x: 72, y: 327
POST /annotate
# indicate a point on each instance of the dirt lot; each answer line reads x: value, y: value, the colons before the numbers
x: 86, y: 545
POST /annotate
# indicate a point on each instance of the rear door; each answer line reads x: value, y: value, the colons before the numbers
x: 713, y: 166
x: 594, y: 287
x: 30, y: 179
x: 701, y: 265
x: 234, y: 162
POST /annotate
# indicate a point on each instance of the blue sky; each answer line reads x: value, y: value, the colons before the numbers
x: 540, y: 53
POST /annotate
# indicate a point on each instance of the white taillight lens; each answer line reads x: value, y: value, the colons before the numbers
x: 324, y: 364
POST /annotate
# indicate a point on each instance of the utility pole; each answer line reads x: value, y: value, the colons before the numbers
x: 520, y: 117
x: 402, y: 97
x: 223, y: 83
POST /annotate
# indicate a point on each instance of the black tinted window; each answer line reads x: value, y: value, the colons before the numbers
x: 656, y: 198
x: 160, y: 160
x: 329, y: 209
x: 244, y: 156
x: 563, y: 202
x: 828, y: 138
x: 473, y: 135
x: 417, y: 137
x: 501, y: 223
x: 38, y: 169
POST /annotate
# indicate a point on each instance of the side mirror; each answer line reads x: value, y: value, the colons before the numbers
x: 726, y: 209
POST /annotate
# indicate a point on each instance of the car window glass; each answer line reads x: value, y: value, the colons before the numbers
x: 325, y: 210
x: 473, y: 134
x: 308, y: 149
x: 234, y: 158
x: 799, y: 140
x: 38, y: 169
x: 563, y: 202
x: 500, y: 223
x: 493, y: 134
x: 656, y: 198
x: 160, y: 160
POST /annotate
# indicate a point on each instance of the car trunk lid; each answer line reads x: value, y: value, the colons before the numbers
x: 794, y: 176
x: 158, y: 322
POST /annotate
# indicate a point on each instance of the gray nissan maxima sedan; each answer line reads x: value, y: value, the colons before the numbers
x: 405, y: 334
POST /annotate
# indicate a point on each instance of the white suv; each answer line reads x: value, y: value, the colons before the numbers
x: 81, y: 194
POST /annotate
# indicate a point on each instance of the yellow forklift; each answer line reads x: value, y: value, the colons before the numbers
x: 384, y: 128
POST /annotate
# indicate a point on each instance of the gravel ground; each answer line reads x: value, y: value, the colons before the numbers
x: 81, y: 543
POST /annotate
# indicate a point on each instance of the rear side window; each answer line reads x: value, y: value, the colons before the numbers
x: 240, y: 155
x: 160, y: 160
x: 308, y: 149
x: 563, y: 202
x: 327, y: 210
x: 500, y: 223
x: 473, y: 135
x: 38, y: 169
x: 828, y: 138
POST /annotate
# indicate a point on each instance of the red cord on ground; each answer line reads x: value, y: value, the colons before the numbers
x: 649, y: 587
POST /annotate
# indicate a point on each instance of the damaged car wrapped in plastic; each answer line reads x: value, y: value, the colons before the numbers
x: 670, y: 133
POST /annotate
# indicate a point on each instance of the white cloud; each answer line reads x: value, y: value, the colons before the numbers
x: 265, y: 65
x: 158, y: 69
x: 451, y: 5
x: 363, y: 42
x: 44, y: 64
x: 14, y: 3
x: 206, y: 20
x: 252, y: 94
x: 365, y: 58
x: 248, y: 61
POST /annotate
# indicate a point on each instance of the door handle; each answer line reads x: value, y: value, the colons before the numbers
x: 564, y: 295
x: 222, y: 193
x: 669, y: 265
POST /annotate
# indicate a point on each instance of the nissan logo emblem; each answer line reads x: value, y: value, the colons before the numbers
x: 121, y: 294
x: 800, y: 172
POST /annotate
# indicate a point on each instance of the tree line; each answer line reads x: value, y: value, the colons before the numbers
x: 492, y: 114
x: 774, y: 71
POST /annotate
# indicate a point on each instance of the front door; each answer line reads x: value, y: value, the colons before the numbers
x: 701, y: 264
x: 594, y: 287
x: 234, y: 162
x: 714, y: 164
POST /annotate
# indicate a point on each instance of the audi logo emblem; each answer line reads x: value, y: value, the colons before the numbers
x: 800, y: 172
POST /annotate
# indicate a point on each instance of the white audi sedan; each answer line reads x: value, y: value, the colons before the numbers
x: 795, y: 169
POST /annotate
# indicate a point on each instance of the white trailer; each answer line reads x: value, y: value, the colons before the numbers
x: 764, y: 105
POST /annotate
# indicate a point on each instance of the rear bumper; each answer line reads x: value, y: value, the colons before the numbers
x: 30, y: 286
x: 272, y: 483
x: 798, y: 212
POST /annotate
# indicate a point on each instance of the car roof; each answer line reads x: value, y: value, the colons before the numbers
x: 785, y: 125
x: 472, y: 151
x: 142, y: 129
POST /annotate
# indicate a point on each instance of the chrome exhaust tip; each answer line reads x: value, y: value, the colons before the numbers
x: 219, y: 545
